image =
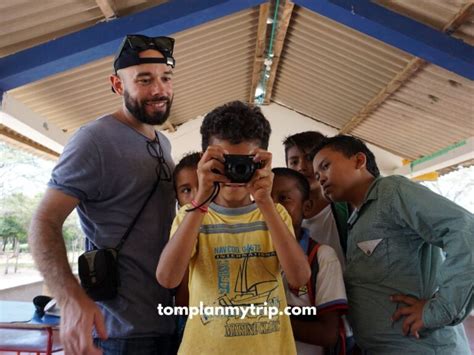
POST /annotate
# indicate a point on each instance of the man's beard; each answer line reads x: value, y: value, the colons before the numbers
x: 138, y: 109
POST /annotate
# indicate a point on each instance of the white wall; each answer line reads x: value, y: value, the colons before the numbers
x: 284, y: 122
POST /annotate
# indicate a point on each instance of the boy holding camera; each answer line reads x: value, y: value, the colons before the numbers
x: 234, y: 247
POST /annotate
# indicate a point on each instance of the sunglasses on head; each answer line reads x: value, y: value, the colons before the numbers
x: 140, y: 43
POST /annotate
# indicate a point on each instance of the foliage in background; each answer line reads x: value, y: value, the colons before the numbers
x: 23, y: 179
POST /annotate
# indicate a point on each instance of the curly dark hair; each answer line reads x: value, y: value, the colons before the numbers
x: 305, y: 141
x: 349, y: 146
x: 189, y: 160
x: 236, y: 122
x: 303, y: 184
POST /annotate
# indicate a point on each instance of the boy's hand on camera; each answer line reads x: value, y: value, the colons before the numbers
x: 261, y: 184
x: 413, y: 314
x: 212, y: 162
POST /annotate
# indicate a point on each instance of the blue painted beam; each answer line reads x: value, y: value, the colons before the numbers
x: 398, y: 31
x: 104, y: 38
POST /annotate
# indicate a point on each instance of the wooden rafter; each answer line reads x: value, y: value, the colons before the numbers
x: 108, y: 8
x: 22, y: 141
x: 278, y: 47
x: 459, y: 18
x: 412, y: 67
x: 259, y: 49
x: 402, y: 77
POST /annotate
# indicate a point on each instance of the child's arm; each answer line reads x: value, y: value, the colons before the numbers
x: 175, y: 257
x: 182, y: 292
x: 442, y: 223
x: 322, y: 332
x: 291, y: 256
x: 330, y: 299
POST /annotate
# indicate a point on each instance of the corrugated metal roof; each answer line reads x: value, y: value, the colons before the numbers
x: 214, y: 63
x: 329, y: 71
x: 433, y: 110
x: 435, y: 13
x: 26, y: 23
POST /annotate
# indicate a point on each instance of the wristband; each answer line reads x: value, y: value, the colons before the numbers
x: 196, y: 205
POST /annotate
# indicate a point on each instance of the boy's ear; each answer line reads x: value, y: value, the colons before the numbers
x: 307, y: 207
x: 360, y: 160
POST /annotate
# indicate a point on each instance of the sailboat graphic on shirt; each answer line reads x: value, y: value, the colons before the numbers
x: 247, y: 291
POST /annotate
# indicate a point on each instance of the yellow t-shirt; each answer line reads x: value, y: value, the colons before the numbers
x: 234, y: 264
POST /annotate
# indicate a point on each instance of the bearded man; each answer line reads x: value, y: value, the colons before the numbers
x: 116, y: 171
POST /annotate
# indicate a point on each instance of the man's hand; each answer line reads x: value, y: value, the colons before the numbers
x: 413, y: 322
x: 79, y: 316
x: 261, y: 184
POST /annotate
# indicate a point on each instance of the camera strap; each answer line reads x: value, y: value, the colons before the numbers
x: 130, y: 227
x: 211, y: 198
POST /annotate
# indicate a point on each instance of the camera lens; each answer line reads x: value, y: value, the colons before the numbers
x: 241, y: 169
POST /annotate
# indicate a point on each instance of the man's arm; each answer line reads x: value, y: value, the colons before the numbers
x: 79, y: 314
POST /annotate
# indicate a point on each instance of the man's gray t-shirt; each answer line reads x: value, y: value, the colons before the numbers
x: 107, y: 166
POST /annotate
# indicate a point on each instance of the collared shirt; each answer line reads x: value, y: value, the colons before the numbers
x: 405, y: 239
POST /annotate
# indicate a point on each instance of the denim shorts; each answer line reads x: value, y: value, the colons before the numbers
x: 161, y: 345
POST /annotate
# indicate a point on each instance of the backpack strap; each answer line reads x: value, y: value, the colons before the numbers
x: 313, y: 263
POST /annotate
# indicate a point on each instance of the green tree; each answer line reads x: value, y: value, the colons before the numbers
x: 12, y: 230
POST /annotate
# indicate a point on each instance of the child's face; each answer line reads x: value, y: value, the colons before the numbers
x: 234, y: 195
x: 186, y: 185
x: 298, y: 159
x: 286, y: 192
x: 336, y: 173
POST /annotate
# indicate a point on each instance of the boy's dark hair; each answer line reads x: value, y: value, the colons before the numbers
x: 190, y: 160
x: 349, y: 146
x: 236, y: 122
x: 306, y: 141
x: 303, y: 184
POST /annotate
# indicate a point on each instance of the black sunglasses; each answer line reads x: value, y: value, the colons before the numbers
x: 140, y: 43
x: 163, y: 171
